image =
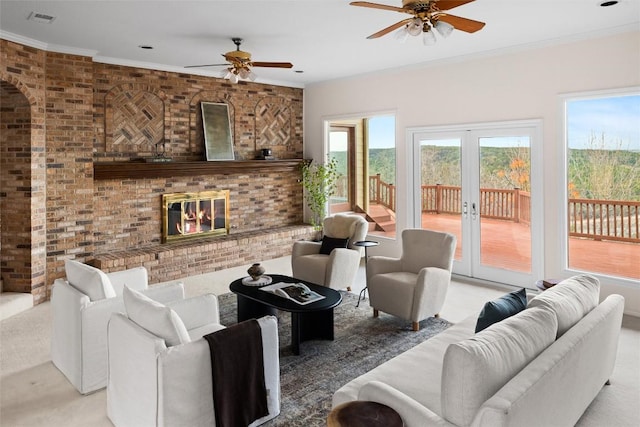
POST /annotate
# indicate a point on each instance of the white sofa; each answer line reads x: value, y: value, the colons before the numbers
x: 540, y: 367
x: 80, y: 317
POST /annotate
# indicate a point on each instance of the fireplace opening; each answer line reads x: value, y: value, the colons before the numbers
x: 188, y: 215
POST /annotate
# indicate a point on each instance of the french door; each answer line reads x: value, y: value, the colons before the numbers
x: 476, y: 182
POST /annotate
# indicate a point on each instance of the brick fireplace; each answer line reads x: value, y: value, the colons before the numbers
x: 82, y: 117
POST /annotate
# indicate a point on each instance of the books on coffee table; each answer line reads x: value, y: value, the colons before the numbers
x: 297, y: 292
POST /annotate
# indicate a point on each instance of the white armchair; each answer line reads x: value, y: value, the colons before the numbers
x: 80, y: 317
x: 414, y: 286
x: 333, y: 262
x: 153, y: 382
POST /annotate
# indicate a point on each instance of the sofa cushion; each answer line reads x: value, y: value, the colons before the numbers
x: 331, y: 243
x: 89, y: 280
x: 570, y: 300
x: 155, y: 317
x: 476, y: 368
x: 501, y: 308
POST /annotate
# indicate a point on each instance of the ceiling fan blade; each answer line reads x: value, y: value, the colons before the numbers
x: 206, y: 65
x: 450, y: 4
x: 389, y: 29
x: 379, y: 6
x: 462, y: 24
x: 273, y: 64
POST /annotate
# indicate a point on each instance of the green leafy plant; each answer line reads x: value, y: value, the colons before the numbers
x: 319, y: 183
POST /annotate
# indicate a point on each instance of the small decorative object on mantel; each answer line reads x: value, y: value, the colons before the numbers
x: 159, y: 156
x: 265, y: 154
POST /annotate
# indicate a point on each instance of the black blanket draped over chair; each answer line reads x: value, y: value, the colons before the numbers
x: 237, y: 367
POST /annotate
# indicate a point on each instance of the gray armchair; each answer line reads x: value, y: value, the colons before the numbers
x: 336, y: 269
x: 413, y: 287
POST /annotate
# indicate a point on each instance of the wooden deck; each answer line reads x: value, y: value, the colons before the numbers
x: 507, y: 244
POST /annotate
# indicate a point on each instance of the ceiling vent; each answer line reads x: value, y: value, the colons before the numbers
x: 41, y: 18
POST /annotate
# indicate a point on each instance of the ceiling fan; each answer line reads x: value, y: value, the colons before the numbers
x: 239, y: 64
x: 427, y: 15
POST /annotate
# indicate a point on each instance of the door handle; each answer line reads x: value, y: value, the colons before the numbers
x: 473, y: 211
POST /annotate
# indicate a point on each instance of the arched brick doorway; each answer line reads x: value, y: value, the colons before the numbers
x: 22, y: 193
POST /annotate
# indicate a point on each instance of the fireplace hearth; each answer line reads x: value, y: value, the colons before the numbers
x: 191, y: 215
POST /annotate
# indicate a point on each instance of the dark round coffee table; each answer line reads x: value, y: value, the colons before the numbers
x: 364, y: 414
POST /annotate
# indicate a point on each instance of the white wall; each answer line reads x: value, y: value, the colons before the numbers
x: 510, y: 86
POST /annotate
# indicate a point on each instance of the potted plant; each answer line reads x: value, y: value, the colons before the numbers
x: 319, y: 183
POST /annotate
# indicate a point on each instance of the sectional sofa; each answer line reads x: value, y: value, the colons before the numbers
x: 540, y: 367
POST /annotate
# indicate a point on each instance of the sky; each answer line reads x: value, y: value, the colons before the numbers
x: 382, y: 132
x: 618, y: 118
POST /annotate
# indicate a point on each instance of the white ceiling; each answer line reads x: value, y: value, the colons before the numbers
x: 325, y: 39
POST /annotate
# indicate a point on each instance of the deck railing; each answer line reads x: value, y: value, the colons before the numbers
x: 604, y: 219
x: 617, y: 220
x: 382, y: 193
x: 510, y: 205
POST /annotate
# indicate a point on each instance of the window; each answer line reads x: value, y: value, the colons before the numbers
x: 603, y: 183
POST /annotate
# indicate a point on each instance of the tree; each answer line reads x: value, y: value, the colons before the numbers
x: 383, y: 161
x: 440, y: 165
x: 518, y: 173
x: 604, y: 173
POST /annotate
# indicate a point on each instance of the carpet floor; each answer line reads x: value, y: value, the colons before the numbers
x: 361, y: 343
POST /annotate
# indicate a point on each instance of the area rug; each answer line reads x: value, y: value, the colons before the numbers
x: 361, y: 343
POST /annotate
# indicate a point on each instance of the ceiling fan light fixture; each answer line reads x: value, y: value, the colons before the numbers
x: 233, y: 78
x: 428, y: 38
x: 402, y: 34
x: 444, y: 28
x: 415, y: 27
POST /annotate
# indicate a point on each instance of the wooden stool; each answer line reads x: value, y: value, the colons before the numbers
x: 363, y: 414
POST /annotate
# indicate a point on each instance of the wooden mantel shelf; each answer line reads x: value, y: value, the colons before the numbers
x: 140, y: 170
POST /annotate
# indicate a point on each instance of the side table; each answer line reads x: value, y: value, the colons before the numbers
x: 364, y: 414
x: 366, y: 244
x: 545, y: 284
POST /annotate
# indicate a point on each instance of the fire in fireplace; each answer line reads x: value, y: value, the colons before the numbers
x: 187, y: 215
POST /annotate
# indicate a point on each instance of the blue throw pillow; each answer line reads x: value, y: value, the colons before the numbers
x: 505, y: 306
x: 331, y: 243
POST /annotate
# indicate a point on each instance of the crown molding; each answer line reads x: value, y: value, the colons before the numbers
x: 16, y: 38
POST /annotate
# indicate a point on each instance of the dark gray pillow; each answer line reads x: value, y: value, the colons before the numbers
x: 505, y: 306
x: 331, y: 243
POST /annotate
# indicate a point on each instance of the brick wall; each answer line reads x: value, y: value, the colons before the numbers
x: 97, y: 112
x: 70, y: 134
